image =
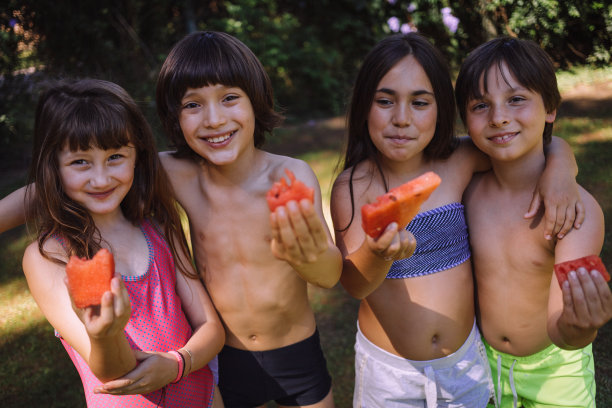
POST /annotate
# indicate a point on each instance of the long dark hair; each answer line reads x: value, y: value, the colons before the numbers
x: 380, y: 60
x: 94, y: 113
x: 208, y: 58
x: 529, y: 64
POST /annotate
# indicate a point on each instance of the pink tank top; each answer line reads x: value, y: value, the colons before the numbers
x: 157, y: 323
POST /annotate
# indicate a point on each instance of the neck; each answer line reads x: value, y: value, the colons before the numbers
x: 398, y: 172
x: 237, y: 172
x: 109, y: 222
x: 520, y: 174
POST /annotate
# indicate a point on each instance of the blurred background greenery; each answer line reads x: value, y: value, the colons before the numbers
x: 311, y: 50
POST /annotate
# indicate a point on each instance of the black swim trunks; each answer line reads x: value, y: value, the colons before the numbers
x: 291, y: 375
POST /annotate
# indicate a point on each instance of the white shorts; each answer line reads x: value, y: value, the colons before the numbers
x: 461, y: 379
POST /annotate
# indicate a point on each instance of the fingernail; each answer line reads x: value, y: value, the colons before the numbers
x: 572, y: 275
x: 561, y: 236
x: 547, y: 237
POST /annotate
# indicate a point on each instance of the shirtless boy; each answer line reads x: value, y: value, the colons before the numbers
x: 538, y: 335
x: 215, y: 101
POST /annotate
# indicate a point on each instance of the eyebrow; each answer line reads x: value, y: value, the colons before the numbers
x: 415, y: 93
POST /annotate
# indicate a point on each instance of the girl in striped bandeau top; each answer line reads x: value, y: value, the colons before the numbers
x: 417, y: 341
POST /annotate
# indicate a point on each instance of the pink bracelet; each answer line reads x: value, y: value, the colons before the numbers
x: 181, y: 365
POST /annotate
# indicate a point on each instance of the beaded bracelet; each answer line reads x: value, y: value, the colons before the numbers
x: 181, y: 365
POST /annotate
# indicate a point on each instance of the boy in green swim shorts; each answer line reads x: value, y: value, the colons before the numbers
x: 538, y: 333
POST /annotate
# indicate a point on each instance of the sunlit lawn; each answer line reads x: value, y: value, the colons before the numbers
x: 36, y: 371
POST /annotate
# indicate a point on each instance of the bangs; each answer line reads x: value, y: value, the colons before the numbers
x: 95, y: 125
x: 210, y: 62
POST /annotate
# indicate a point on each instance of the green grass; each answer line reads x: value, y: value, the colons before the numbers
x: 36, y: 371
x: 569, y: 79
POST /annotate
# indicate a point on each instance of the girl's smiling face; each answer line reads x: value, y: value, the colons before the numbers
x: 402, y: 118
x: 97, y: 179
x: 218, y: 122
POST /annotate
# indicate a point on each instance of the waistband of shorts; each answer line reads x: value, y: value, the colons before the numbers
x: 535, y: 357
x: 313, y: 339
x: 438, y: 363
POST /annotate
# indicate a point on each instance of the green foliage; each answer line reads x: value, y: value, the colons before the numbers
x: 311, y: 49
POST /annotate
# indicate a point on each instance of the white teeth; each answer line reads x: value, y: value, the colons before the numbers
x: 220, y: 139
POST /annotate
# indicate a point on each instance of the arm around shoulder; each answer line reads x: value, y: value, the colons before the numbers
x: 12, y: 210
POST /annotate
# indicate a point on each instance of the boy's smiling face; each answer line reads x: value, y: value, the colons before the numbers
x: 509, y: 119
x: 218, y: 122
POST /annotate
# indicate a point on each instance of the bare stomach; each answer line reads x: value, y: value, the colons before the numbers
x: 517, y: 333
x: 263, y: 314
x: 421, y: 318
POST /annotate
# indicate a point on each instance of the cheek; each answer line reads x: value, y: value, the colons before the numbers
x: 377, y: 120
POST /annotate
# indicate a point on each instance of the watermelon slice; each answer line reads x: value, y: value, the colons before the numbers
x: 399, y: 205
x: 89, y: 279
x: 281, y: 192
x: 589, y: 262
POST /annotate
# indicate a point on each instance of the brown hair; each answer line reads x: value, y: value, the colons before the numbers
x: 526, y: 60
x: 94, y: 113
x: 380, y: 60
x: 209, y: 58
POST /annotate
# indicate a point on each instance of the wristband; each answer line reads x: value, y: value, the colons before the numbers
x: 181, y: 365
x: 190, y: 361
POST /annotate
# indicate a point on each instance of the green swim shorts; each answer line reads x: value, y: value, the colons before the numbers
x: 549, y: 378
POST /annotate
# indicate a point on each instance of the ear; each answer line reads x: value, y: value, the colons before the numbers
x: 550, y: 117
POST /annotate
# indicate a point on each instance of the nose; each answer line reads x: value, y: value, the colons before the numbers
x: 498, y: 116
x: 100, y: 177
x: 401, y: 115
x: 214, y: 116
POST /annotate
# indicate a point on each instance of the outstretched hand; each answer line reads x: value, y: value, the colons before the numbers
x: 298, y: 234
x: 110, y: 317
x: 154, y: 371
x: 393, y: 244
x: 587, y: 300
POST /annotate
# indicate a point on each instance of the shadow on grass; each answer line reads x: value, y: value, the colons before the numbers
x: 36, y: 371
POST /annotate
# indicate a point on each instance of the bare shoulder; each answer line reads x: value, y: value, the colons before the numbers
x: 51, y: 246
x: 469, y: 156
x: 277, y: 164
x: 352, y: 188
x: 177, y: 167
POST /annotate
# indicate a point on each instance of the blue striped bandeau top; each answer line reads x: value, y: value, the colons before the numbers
x: 442, y: 242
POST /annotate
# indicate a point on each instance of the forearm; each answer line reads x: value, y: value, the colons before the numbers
x: 205, y: 343
x: 363, y: 271
x: 12, y: 210
x: 111, y: 358
x: 325, y: 271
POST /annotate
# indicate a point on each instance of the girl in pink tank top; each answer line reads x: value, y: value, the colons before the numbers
x: 96, y: 182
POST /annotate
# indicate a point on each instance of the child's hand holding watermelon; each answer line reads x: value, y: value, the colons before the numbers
x: 298, y: 235
x: 298, y: 231
x: 587, y: 301
x: 99, y: 296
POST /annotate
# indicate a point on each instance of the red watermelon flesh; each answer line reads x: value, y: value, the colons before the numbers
x: 589, y: 262
x: 89, y: 279
x: 399, y: 205
x: 281, y: 192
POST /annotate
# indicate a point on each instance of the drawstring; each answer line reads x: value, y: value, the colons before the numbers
x: 431, y: 392
x: 512, y: 387
x: 498, y: 397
